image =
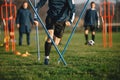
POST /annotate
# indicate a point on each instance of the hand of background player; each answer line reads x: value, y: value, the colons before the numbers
x: 36, y: 23
x: 18, y: 25
x: 67, y: 24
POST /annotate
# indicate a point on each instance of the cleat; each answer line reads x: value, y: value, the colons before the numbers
x: 46, y: 61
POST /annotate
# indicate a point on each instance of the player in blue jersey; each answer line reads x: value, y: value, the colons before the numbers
x: 61, y: 13
x: 23, y: 20
x: 91, y: 21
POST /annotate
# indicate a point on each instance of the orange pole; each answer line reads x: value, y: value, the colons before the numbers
x: 6, y: 27
x: 109, y: 24
x: 104, y: 27
x: 107, y: 16
x: 12, y: 26
x: 12, y: 11
x: 110, y: 17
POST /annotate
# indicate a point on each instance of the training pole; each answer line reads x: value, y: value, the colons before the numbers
x: 73, y: 31
x: 107, y: 13
x: 5, y: 20
x: 12, y: 32
x: 37, y: 39
x: 8, y: 10
x: 44, y: 27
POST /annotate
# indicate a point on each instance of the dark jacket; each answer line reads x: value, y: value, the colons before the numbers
x: 24, y: 17
x: 91, y: 18
x: 59, y: 10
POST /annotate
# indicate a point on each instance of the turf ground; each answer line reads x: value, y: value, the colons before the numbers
x: 83, y: 62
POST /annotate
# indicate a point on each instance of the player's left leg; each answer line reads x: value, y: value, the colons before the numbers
x: 92, y: 32
x: 48, y: 45
x: 20, y: 38
x: 28, y: 38
x: 48, y: 42
x: 86, y: 34
x: 93, y: 35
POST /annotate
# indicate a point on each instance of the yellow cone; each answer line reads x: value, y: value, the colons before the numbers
x: 27, y: 53
x: 24, y: 55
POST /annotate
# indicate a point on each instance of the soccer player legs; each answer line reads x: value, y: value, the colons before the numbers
x: 60, y: 13
x: 91, y: 21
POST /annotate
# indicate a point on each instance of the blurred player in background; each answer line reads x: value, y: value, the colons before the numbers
x: 91, y: 21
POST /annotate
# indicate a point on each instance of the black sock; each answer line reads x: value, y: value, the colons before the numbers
x: 86, y: 37
x: 93, y: 37
x: 47, y: 48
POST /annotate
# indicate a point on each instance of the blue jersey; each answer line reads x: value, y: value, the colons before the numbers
x: 91, y: 18
x: 24, y: 18
x: 59, y: 10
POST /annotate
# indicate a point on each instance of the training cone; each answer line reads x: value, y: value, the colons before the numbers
x: 24, y: 55
x: 27, y: 53
x: 17, y: 53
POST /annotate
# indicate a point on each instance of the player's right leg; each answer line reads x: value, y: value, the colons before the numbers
x: 86, y: 35
x: 48, y: 42
x: 20, y: 38
x: 92, y: 29
x: 28, y: 38
x: 48, y: 45
x: 93, y: 35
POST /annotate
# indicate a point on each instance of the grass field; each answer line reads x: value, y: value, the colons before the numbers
x: 83, y: 62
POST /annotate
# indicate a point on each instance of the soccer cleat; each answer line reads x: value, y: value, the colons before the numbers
x: 46, y: 61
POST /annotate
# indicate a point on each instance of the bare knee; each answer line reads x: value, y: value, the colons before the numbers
x: 93, y: 33
x: 86, y: 31
x: 57, y: 40
x: 51, y: 33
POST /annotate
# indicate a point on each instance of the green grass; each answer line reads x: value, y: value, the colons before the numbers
x: 83, y: 62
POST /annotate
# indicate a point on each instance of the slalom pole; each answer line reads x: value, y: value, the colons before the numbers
x: 40, y: 20
x: 37, y: 39
x: 73, y: 31
x: 107, y: 16
x: 13, y: 15
x: 109, y: 25
x: 6, y: 27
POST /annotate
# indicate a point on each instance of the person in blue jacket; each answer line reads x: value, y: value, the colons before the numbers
x: 91, y: 21
x: 24, y: 18
x: 61, y: 13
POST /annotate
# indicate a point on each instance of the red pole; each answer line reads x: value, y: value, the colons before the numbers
x: 110, y: 17
x: 107, y: 16
x: 12, y: 25
x: 12, y: 11
x: 110, y: 26
x: 6, y: 27
x: 105, y: 26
